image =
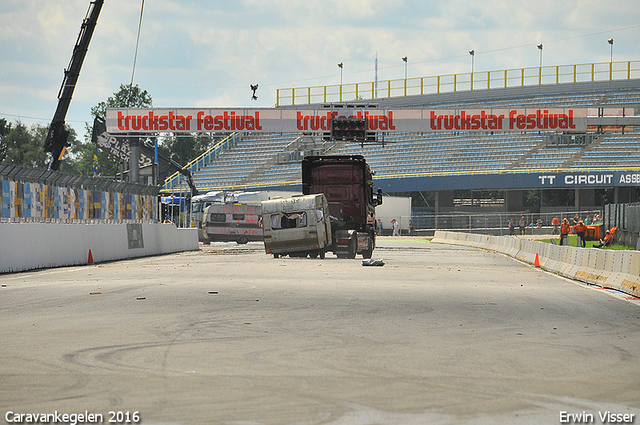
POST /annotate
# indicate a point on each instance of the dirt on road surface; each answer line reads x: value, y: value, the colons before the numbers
x: 229, y: 335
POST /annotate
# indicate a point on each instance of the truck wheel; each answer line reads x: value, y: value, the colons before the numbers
x: 367, y: 254
x: 243, y: 240
x: 276, y: 255
x: 352, y: 249
x: 313, y: 254
x: 322, y: 254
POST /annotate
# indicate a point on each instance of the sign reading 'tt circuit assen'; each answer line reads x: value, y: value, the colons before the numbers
x: 602, y: 179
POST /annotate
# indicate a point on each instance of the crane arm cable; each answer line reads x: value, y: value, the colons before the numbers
x: 135, y: 56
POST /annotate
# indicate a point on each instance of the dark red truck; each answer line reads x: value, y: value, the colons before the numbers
x: 346, y: 181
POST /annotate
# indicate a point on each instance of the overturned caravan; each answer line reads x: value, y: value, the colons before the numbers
x: 298, y: 226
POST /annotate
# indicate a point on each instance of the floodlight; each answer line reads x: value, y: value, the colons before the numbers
x: 610, y: 41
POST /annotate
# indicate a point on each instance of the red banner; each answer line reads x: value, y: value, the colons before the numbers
x: 269, y: 120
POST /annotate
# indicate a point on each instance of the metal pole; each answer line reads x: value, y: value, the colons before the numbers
x: 405, y: 59
x: 540, y: 48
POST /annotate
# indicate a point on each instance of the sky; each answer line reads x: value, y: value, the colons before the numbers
x: 207, y: 53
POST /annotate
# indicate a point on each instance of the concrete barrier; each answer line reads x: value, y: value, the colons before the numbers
x: 619, y: 270
x: 439, y: 236
x: 547, y: 258
x: 26, y: 246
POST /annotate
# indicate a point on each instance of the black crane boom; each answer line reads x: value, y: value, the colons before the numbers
x: 56, y: 141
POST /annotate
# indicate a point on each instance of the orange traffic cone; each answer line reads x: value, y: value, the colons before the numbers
x: 536, y: 263
x: 90, y: 260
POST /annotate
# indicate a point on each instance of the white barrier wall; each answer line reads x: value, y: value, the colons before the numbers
x: 618, y: 270
x: 25, y: 246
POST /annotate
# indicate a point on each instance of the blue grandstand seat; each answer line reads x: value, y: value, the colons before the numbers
x: 253, y: 159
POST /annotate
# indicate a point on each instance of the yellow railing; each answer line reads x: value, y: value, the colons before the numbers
x: 176, y: 178
x: 603, y: 71
x: 508, y: 171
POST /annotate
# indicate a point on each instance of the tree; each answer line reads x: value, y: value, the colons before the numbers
x: 4, y: 130
x: 126, y: 97
x: 24, y: 146
x: 83, y: 152
x: 185, y: 148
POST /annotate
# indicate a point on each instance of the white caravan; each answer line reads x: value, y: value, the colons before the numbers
x: 297, y: 226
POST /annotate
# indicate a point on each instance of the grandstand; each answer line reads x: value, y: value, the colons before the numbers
x: 268, y: 160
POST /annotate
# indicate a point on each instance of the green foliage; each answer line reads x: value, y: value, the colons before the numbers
x: 560, y: 197
x: 531, y: 199
x: 22, y: 145
x: 605, y: 196
x: 4, y: 130
x: 83, y: 152
x: 185, y: 148
x: 126, y: 97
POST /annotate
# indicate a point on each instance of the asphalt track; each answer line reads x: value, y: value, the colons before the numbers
x: 228, y: 335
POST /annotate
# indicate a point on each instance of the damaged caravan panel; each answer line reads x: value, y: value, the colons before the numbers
x: 297, y: 226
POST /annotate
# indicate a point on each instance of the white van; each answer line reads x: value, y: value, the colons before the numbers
x: 297, y: 226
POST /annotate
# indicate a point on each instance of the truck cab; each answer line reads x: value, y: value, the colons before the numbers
x: 347, y: 183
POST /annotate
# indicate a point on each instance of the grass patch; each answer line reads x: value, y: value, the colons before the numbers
x: 573, y: 239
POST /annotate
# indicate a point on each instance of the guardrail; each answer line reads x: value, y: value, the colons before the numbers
x: 603, y: 71
x: 619, y: 270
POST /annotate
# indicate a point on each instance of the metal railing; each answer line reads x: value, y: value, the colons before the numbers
x: 623, y: 216
x: 266, y: 185
x: 505, y: 171
x: 173, y: 181
x: 496, y: 222
x: 301, y: 147
x: 603, y: 71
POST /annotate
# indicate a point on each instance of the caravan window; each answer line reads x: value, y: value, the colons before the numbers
x: 288, y: 221
x: 218, y: 218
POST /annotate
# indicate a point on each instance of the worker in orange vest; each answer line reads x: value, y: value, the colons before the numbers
x: 556, y: 223
x: 581, y: 230
x: 564, y: 231
x: 608, y: 238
